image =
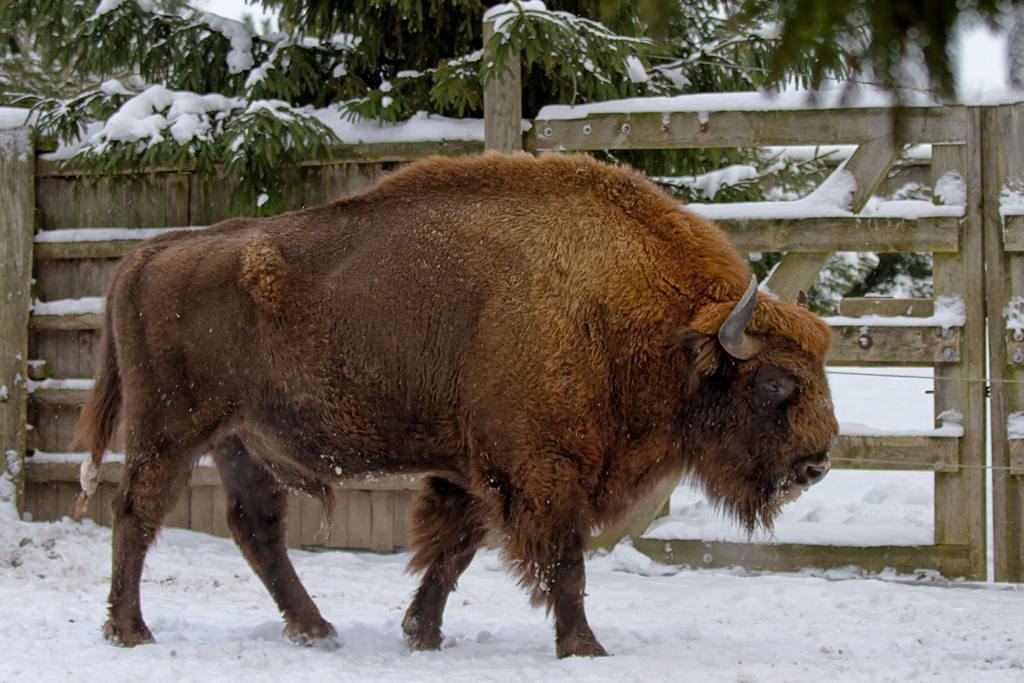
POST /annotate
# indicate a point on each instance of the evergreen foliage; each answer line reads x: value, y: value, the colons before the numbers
x: 887, y: 40
x: 373, y: 59
x: 148, y: 84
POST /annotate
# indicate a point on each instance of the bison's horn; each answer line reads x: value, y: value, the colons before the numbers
x: 733, y: 336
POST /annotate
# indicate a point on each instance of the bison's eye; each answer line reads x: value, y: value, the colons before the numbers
x: 774, y: 386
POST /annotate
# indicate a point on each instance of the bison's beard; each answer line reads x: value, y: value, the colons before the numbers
x: 754, y: 503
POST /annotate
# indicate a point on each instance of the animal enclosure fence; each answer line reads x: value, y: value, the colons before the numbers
x: 69, y: 233
x: 976, y: 147
x: 66, y: 231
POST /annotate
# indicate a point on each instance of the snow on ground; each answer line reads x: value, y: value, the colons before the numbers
x: 214, y: 622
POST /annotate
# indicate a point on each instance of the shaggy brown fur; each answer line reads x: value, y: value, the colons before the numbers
x: 538, y: 334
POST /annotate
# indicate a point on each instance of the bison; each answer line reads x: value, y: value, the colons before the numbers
x: 543, y: 337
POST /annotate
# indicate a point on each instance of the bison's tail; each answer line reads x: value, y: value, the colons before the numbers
x: 98, y: 421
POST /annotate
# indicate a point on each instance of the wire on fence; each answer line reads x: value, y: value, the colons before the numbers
x: 942, y: 379
x: 934, y: 465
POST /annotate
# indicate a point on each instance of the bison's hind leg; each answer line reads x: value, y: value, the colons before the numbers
x: 448, y: 527
x: 150, y: 486
x: 256, y: 507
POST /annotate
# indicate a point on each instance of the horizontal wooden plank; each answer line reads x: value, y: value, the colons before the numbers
x: 205, y: 475
x: 844, y: 233
x: 84, y: 250
x: 877, y: 345
x: 50, y: 472
x: 60, y: 396
x: 695, y: 130
x: 920, y: 453
x: 71, y: 321
x: 889, y: 307
x: 1013, y: 233
x: 362, y: 153
x: 951, y: 561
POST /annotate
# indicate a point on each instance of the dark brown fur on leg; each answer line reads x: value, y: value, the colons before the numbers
x: 256, y: 506
x: 543, y: 541
x: 573, y: 636
x: 447, y: 530
x: 149, y: 488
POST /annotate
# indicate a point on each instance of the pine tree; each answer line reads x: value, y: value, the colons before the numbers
x: 221, y: 94
x: 886, y: 40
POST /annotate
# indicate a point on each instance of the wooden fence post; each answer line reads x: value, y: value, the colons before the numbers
x: 503, y: 104
x: 960, y: 497
x: 17, y: 211
x: 1004, y: 159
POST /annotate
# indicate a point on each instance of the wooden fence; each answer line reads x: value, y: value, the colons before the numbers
x: 72, y: 230
x: 957, y: 243
x: 55, y: 347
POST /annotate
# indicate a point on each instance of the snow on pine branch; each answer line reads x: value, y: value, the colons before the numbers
x: 507, y: 20
x: 240, y: 58
x: 107, y: 6
x: 155, y: 113
x: 708, y: 184
x: 586, y: 49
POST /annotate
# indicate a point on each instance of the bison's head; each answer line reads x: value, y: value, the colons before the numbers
x: 758, y: 420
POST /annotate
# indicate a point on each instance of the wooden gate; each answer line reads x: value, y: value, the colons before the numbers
x: 955, y: 353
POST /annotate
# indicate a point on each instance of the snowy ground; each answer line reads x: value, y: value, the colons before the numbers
x: 214, y: 622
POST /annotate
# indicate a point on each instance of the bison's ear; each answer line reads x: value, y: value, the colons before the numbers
x: 704, y: 351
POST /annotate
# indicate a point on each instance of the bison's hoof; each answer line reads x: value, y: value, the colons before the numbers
x: 421, y: 637
x: 579, y: 646
x: 424, y: 641
x: 320, y: 635
x: 127, y: 637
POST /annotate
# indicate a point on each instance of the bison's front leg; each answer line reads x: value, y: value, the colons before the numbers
x: 546, y: 545
x: 256, y: 507
x: 446, y: 531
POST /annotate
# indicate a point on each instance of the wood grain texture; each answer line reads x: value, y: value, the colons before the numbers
x: 951, y: 561
x: 875, y: 345
x: 503, y: 103
x: 960, y: 517
x: 869, y: 164
x: 796, y: 272
x: 17, y: 222
x: 885, y: 306
x: 360, y: 520
x: 920, y: 453
x: 1004, y: 243
x: 687, y: 130
x: 843, y: 233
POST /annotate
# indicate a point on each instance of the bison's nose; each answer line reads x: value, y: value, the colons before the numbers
x: 815, y: 473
